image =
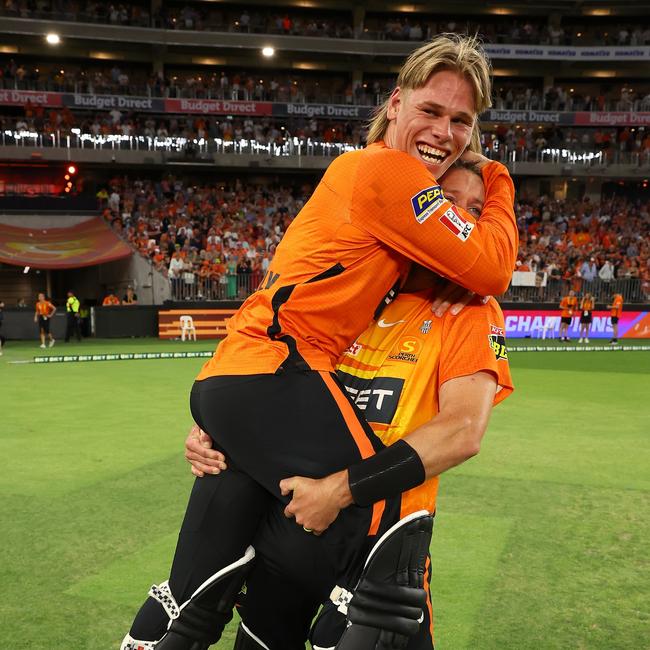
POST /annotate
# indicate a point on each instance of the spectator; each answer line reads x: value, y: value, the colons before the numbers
x: 110, y: 300
x: 606, y: 272
x: 588, y: 270
x: 130, y: 297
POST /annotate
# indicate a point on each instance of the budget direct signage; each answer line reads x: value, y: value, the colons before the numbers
x: 34, y: 97
x: 567, y: 53
x: 532, y: 323
x: 107, y: 102
x: 611, y: 118
x: 81, y: 101
x: 527, y: 117
x: 217, y: 107
x: 334, y: 111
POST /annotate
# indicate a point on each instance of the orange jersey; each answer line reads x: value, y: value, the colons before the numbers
x: 617, y: 306
x: 373, y: 211
x: 587, y: 305
x: 110, y: 300
x: 568, y: 306
x: 44, y: 308
x: 395, y: 369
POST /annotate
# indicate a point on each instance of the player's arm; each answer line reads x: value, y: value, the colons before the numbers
x: 449, y: 439
x: 397, y: 201
x: 35, y: 314
x: 53, y: 310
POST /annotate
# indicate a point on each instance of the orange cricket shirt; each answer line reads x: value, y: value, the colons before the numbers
x: 374, y: 210
x: 395, y: 369
x: 617, y: 306
x: 44, y: 308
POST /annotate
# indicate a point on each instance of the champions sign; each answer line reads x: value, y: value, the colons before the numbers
x: 533, y: 323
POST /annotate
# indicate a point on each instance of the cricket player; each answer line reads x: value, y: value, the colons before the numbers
x: 270, y: 398
x: 43, y: 313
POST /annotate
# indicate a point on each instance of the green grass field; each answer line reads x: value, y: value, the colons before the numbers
x: 540, y: 542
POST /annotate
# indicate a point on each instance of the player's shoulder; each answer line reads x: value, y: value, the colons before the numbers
x: 379, y: 155
x: 388, y: 176
x: 476, y: 316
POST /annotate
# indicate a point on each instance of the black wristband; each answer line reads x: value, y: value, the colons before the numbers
x: 386, y: 474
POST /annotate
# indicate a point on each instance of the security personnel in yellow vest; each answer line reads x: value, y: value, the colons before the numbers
x: 72, y: 306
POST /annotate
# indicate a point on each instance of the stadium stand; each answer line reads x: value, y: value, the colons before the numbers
x: 216, y: 241
x: 319, y: 22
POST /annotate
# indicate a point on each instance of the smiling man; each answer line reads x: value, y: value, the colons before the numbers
x: 270, y: 398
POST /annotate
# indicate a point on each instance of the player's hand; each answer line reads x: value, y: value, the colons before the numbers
x: 475, y: 159
x: 200, y: 455
x: 453, y: 297
x: 316, y: 503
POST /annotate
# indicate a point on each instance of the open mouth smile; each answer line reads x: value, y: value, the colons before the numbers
x: 431, y: 154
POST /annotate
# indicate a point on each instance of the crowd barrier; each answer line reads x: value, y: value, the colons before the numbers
x: 191, y: 287
x: 550, y: 290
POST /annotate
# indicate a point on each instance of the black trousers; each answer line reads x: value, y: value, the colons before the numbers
x: 72, y: 326
x: 271, y: 427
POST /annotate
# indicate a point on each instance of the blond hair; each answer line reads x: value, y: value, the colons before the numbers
x: 456, y: 52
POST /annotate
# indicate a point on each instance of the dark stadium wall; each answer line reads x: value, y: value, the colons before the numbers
x: 16, y: 285
x: 126, y: 322
x: 18, y: 324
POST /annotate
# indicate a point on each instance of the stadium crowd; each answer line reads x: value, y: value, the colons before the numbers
x: 115, y: 122
x: 227, y: 84
x: 300, y: 87
x: 529, y: 140
x: 217, y: 240
x: 517, y: 96
x: 580, y: 242
x: 294, y: 21
x: 212, y: 241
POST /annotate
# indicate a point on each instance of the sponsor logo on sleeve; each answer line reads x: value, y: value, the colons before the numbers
x: 497, y: 340
x: 426, y: 202
x: 453, y: 221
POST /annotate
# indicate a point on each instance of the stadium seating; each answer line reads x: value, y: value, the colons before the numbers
x: 215, y: 241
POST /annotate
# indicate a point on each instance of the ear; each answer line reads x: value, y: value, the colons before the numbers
x: 394, y: 103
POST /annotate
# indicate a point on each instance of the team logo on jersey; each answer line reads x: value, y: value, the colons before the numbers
x: 426, y: 327
x: 377, y: 398
x: 497, y: 342
x: 426, y: 202
x: 453, y: 221
x: 407, y: 350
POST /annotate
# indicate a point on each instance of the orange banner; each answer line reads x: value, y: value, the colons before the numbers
x: 90, y: 242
